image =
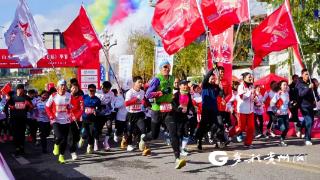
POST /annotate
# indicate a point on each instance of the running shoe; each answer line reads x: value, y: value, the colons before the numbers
x: 180, y: 163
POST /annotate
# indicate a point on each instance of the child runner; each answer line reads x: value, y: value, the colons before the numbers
x: 280, y: 106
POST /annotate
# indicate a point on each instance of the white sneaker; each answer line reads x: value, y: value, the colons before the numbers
x: 89, y: 149
x: 106, y: 144
x: 74, y: 156
x: 183, y: 153
x: 298, y: 134
x: 81, y: 142
x: 272, y: 134
x: 142, y: 143
x: 115, y: 138
x: 130, y: 148
x: 308, y: 143
x: 96, y: 145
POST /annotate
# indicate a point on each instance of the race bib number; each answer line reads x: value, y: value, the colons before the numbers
x: 136, y: 107
x: 89, y: 110
x: 165, y: 107
x: 20, y: 105
x: 62, y: 108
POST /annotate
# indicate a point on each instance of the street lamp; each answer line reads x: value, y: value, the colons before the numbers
x: 107, y: 46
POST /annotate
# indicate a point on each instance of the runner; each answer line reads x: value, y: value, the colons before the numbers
x: 105, y: 117
x: 182, y: 106
x: 245, y: 101
x: 43, y: 119
x: 92, y: 106
x: 280, y: 105
x: 120, y: 120
x: 161, y: 91
x: 76, y: 113
x: 58, y: 109
x: 135, y: 117
x: 19, y: 105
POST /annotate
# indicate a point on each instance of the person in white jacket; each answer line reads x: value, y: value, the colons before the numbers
x: 280, y: 106
x: 245, y: 101
x: 120, y: 119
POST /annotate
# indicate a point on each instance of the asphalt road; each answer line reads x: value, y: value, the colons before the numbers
x: 303, y: 163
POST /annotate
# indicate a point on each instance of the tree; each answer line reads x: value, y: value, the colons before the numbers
x: 190, y: 60
x: 308, y: 29
x: 142, y: 46
x: 39, y: 81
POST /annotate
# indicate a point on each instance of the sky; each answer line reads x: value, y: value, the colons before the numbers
x: 58, y: 14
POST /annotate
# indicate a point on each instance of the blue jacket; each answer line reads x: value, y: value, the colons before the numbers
x: 90, y: 103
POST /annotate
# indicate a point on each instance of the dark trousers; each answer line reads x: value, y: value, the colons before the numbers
x: 61, y: 132
x: 121, y: 127
x: 308, y: 119
x: 105, y: 120
x: 258, y: 123
x: 272, y: 118
x: 193, y: 122
x: 157, y: 118
x: 44, y: 128
x: 92, y: 131
x: 74, y: 135
x: 33, y: 127
x: 19, y: 128
x: 136, y: 126
x: 3, y: 127
x: 147, y: 123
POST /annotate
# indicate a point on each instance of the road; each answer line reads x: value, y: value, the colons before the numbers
x: 119, y: 164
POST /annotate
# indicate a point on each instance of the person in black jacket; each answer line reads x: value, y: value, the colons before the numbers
x: 210, y: 92
x: 19, y: 105
x: 182, y: 106
x: 306, y: 103
x: 293, y: 106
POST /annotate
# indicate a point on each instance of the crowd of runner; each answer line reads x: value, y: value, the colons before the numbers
x: 184, y: 112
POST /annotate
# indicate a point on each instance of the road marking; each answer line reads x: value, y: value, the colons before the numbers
x: 21, y: 160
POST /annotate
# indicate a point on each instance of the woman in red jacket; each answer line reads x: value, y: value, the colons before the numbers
x: 76, y: 113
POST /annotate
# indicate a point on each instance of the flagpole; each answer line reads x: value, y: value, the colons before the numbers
x: 107, y: 59
x: 207, y: 36
x: 251, y: 52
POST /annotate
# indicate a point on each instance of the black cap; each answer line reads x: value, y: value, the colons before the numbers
x: 20, y: 86
x: 183, y: 82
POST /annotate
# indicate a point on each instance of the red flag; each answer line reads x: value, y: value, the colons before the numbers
x: 222, y: 52
x: 298, y: 56
x: 275, y: 33
x: 80, y: 37
x: 6, y: 88
x: 178, y: 23
x: 220, y: 15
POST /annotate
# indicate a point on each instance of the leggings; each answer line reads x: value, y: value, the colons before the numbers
x: 157, y: 118
x: 258, y: 126
x: 19, y: 128
x: 44, y: 128
x: 136, y: 126
x: 74, y: 135
x: 61, y: 136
